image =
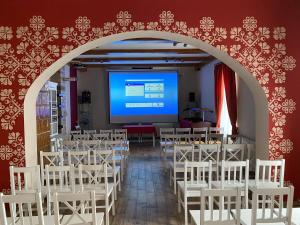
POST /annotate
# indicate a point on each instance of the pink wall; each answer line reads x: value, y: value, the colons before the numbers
x: 33, y: 34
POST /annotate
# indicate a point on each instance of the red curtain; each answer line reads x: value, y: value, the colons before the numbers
x: 231, y: 98
x: 73, y: 97
x: 219, y: 92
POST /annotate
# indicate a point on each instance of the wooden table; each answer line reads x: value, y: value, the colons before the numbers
x: 140, y: 130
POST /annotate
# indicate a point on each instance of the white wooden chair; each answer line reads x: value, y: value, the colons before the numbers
x: 234, y: 174
x: 218, y: 130
x: 81, y: 137
x: 121, y: 131
x: 268, y: 207
x: 197, y: 175
x: 198, y: 138
x: 94, y: 177
x: 25, y: 179
x: 120, y: 153
x: 90, y: 145
x: 109, y: 132
x: 90, y: 132
x: 268, y: 173
x: 234, y: 152
x: 67, y: 145
x: 215, y: 138
x: 21, y: 210
x: 233, y: 139
x: 220, y: 214
x: 72, y: 132
x: 183, y: 130
x: 51, y: 159
x: 101, y: 157
x: 210, y: 152
x: 58, y: 179
x: 125, y: 144
x: 167, y: 142
x: 181, y: 154
x: 76, y: 158
x: 101, y: 137
x: 76, y: 204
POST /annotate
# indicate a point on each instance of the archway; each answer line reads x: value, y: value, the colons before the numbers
x: 260, y: 100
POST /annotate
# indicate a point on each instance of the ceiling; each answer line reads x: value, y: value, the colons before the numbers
x: 143, y: 52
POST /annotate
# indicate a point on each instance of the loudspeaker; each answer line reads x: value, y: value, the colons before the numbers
x: 192, y: 97
x: 86, y: 97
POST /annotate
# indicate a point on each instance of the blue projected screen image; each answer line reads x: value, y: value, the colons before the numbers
x: 143, y: 96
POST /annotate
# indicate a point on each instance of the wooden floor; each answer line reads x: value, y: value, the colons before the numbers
x: 146, y: 197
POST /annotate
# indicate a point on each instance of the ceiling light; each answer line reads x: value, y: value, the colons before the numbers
x: 174, y: 44
x: 184, y: 45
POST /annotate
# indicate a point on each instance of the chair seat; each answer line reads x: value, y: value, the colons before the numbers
x: 263, y: 184
x: 117, y: 158
x: 246, y: 216
x: 49, y: 220
x: 87, y: 217
x: 193, y: 190
x: 195, y: 215
x: 227, y: 184
x: 166, y: 143
x: 179, y: 167
x: 119, y: 148
x: 99, y: 189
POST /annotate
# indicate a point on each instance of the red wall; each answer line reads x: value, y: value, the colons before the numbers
x: 28, y: 44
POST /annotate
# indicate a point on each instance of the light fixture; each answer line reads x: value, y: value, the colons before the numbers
x: 175, y: 43
x: 184, y: 45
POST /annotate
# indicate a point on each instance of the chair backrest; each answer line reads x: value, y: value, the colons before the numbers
x: 220, y: 213
x: 51, y: 159
x: 121, y: 131
x: 233, y: 139
x: 198, y: 138
x: 90, y: 145
x: 20, y: 210
x: 101, y: 137
x: 197, y: 174
x: 210, y: 152
x: 183, y: 153
x: 118, y: 137
x: 109, y: 132
x: 67, y: 145
x: 270, y: 173
x: 89, y: 132
x: 235, y: 172
x: 75, y: 132
x: 163, y: 131
x: 93, y: 177
x: 101, y: 157
x: 58, y: 178
x: 81, y: 137
x: 78, y: 157
x: 215, y: 138
x: 25, y: 179
x: 268, y: 205
x: 200, y: 130
x: 218, y: 130
x: 183, y: 130
x: 76, y: 204
x: 234, y: 152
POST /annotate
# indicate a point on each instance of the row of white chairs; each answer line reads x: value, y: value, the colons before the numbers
x: 201, y: 130
x: 270, y: 210
x: 66, y: 179
x: 196, y: 175
x: 27, y: 209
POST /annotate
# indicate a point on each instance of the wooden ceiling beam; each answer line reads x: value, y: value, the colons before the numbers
x: 179, y: 51
x: 91, y: 59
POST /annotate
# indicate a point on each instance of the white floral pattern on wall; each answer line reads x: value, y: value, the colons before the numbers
x: 259, y: 48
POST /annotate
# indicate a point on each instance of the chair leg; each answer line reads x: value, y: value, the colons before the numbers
x: 119, y: 179
x: 107, y: 211
x: 174, y: 182
x: 185, y: 211
x: 113, y: 205
x: 179, y: 201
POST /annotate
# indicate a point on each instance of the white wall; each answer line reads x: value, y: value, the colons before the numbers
x: 246, y: 110
x: 95, y: 80
x: 206, y: 89
x: 245, y: 101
